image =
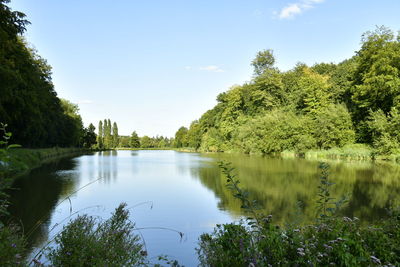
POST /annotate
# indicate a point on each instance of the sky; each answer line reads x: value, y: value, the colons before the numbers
x: 156, y: 65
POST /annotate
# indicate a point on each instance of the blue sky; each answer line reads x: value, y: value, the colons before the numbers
x: 153, y: 66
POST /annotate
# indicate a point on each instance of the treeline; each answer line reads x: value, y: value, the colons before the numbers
x: 318, y: 107
x: 108, y: 138
x: 28, y: 102
x: 134, y: 141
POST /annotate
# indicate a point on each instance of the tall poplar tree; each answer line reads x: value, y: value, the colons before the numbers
x: 100, y: 136
x: 115, y: 135
x: 105, y: 139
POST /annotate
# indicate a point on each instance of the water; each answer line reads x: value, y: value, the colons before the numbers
x: 170, y: 190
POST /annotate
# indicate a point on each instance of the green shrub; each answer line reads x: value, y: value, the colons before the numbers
x: 85, y: 242
x: 12, y: 246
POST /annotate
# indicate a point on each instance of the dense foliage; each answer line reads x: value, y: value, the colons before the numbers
x: 28, y: 101
x: 319, y: 107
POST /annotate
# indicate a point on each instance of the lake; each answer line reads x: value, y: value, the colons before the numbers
x: 171, y: 191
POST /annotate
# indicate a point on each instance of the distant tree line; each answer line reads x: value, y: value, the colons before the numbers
x: 134, y: 141
x: 319, y: 107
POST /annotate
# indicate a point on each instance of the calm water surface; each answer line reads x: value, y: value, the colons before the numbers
x: 186, y: 192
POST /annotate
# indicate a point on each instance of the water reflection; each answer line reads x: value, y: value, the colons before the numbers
x: 107, y: 166
x: 278, y: 184
x: 35, y: 195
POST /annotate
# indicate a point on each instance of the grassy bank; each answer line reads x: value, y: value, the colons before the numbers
x: 353, y: 152
x: 21, y: 160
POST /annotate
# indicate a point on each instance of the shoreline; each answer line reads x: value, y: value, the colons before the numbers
x: 22, y: 160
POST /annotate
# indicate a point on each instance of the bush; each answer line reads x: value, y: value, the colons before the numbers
x: 84, y: 242
x: 12, y: 246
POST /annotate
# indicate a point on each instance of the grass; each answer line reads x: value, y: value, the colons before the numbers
x: 21, y: 160
x: 348, y: 152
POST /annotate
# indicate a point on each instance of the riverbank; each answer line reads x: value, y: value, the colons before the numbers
x: 353, y: 152
x: 22, y: 160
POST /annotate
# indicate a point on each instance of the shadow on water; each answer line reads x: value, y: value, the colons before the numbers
x: 34, y: 196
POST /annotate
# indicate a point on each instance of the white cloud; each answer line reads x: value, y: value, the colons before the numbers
x: 188, y: 67
x: 212, y: 68
x: 293, y: 9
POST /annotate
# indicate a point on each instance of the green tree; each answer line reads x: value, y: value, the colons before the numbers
x: 76, y: 130
x: 385, y: 131
x: 146, y: 142
x: 28, y: 102
x: 100, y: 138
x: 115, y: 135
x: 89, y: 136
x: 134, y: 140
x: 376, y: 83
x: 194, y: 135
x: 333, y: 127
x: 181, y: 137
x: 264, y: 60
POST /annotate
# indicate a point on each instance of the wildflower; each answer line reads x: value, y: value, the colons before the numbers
x: 300, y: 251
x: 13, y: 245
x: 375, y: 260
x: 347, y: 219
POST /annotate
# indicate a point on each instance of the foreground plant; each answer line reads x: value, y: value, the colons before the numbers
x: 87, y: 242
x: 332, y: 240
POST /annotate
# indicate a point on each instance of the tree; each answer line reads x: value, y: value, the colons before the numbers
x: 194, y: 135
x: 180, y: 137
x: 115, y: 135
x: 89, y: 136
x: 28, y: 101
x: 315, y: 91
x: 76, y: 126
x: 333, y: 127
x: 146, y: 142
x: 376, y: 82
x: 134, y: 140
x: 264, y: 60
x: 100, y: 136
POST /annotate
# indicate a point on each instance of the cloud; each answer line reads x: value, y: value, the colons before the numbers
x: 211, y: 68
x: 188, y: 67
x: 293, y: 9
